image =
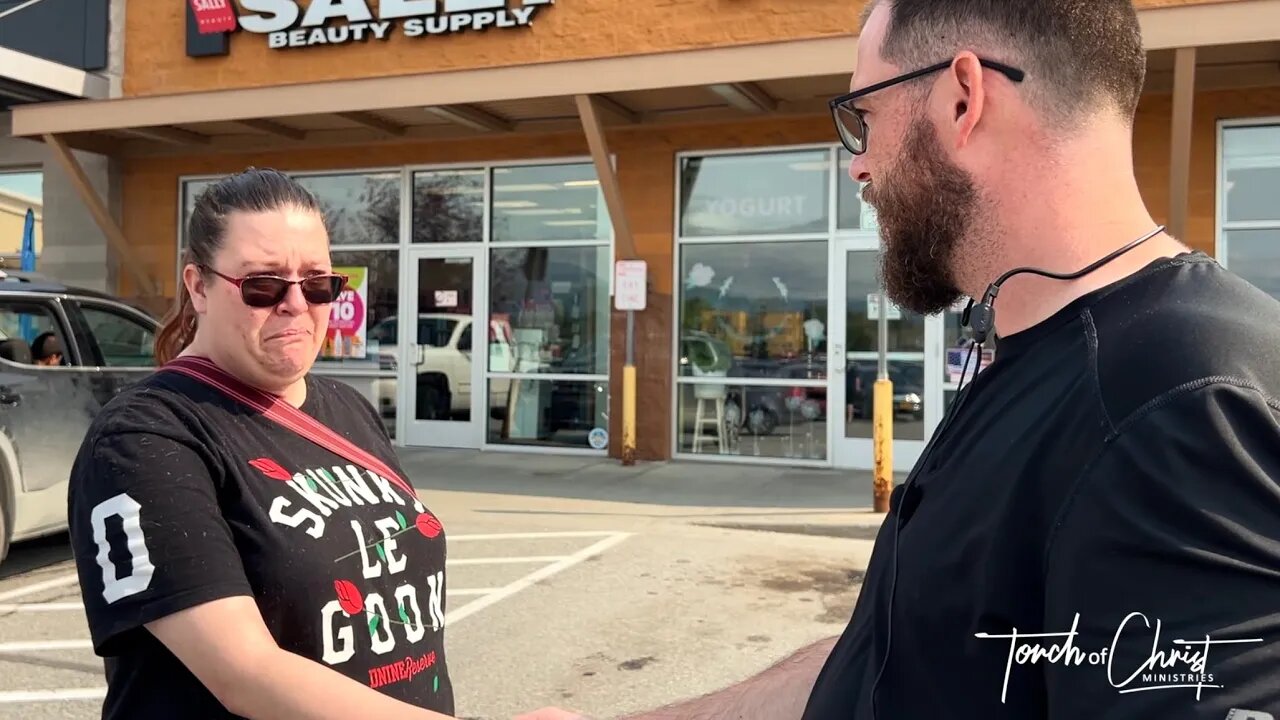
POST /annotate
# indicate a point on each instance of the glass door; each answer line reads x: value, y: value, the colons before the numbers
x: 442, y: 377
x: 914, y: 362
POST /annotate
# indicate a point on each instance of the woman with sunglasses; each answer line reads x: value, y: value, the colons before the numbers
x: 230, y: 566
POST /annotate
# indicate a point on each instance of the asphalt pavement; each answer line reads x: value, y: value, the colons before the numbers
x: 572, y: 582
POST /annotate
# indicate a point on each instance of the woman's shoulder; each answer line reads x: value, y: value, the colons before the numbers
x: 162, y: 403
x: 161, y: 429
x: 184, y: 409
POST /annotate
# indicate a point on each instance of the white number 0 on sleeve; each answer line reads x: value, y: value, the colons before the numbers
x: 140, y: 567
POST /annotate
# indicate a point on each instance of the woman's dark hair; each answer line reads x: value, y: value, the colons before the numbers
x: 254, y: 190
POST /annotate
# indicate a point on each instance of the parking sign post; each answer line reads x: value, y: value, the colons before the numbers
x: 882, y: 413
x: 630, y: 293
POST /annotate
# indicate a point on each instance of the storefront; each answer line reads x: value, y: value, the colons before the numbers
x: 778, y: 299
x: 499, y: 275
x: 485, y: 182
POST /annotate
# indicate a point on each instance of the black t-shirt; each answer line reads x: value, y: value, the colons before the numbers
x: 180, y: 496
x: 1116, y: 472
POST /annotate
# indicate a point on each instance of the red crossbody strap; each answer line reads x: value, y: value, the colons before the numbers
x: 284, y: 414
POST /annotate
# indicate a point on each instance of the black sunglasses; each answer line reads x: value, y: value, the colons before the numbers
x: 848, y: 119
x: 262, y: 291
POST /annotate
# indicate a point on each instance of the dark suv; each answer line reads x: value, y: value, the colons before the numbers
x: 45, y: 409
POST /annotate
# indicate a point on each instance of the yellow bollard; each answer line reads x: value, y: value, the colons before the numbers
x: 628, y: 414
x: 882, y: 414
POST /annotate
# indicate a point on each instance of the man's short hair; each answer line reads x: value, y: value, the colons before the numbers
x: 1078, y: 54
x: 46, y: 344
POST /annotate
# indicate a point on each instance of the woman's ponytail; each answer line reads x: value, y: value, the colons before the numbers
x: 178, y: 328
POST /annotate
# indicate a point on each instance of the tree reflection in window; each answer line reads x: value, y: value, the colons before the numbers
x: 448, y: 206
x: 358, y: 209
x: 765, y: 302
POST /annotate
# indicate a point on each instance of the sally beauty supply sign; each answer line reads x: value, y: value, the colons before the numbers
x: 292, y: 24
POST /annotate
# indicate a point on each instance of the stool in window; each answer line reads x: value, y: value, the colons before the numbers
x: 710, y: 401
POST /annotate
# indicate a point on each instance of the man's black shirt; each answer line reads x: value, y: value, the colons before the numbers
x: 1116, y: 472
x: 181, y: 496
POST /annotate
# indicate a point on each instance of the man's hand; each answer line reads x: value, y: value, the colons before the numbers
x: 551, y: 713
x: 779, y: 693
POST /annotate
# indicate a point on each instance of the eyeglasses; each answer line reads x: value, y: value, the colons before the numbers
x: 848, y: 119
x: 262, y: 291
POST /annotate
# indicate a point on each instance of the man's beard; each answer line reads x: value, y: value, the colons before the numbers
x: 925, y: 206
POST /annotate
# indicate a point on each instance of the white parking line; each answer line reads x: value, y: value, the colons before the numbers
x: 57, y: 582
x: 35, y: 696
x: 485, y: 597
x: 41, y: 607
x: 533, y: 535
x: 564, y: 563
x: 73, y: 578
x: 74, y: 606
x: 472, y: 591
x: 44, y: 645
x: 508, y: 560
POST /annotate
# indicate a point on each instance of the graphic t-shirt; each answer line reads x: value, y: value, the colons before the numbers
x: 180, y: 496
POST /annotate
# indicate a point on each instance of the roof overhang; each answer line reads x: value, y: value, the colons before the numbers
x: 793, y: 77
x: 464, y: 87
x: 27, y: 78
x: 1218, y: 22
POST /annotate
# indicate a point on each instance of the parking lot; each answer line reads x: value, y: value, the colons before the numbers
x: 576, y: 584
x: 47, y: 665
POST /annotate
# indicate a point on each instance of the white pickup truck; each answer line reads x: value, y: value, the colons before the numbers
x: 443, y: 359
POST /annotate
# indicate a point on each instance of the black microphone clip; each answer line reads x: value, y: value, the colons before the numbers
x: 981, y: 317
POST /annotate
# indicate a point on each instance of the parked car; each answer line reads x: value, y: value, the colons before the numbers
x: 443, y: 361
x: 908, y: 389
x: 45, y: 410
x: 767, y: 406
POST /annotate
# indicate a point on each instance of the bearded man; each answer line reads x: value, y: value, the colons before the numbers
x: 1093, y: 532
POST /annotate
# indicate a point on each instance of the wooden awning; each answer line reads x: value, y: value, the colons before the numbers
x: 726, y: 83
x: 698, y: 85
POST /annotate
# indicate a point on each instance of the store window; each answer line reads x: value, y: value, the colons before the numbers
x: 360, y: 208
x: 548, y: 203
x: 752, y: 349
x: 369, y: 303
x: 21, y: 194
x: 556, y: 300
x: 851, y: 212
x: 780, y: 193
x: 191, y: 190
x: 905, y: 347
x: 448, y: 206
x: 548, y: 358
x: 1249, y: 237
x: 761, y: 305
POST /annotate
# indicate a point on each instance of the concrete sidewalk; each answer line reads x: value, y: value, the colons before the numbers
x: 789, y: 499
